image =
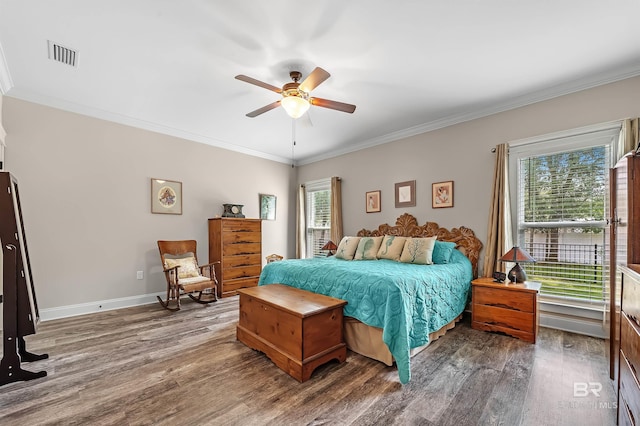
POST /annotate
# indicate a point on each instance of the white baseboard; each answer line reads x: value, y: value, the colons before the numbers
x: 573, y: 319
x: 93, y: 307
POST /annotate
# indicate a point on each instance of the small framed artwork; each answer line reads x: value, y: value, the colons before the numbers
x: 267, y: 207
x: 373, y: 201
x: 166, y: 196
x: 442, y: 194
x: 406, y: 194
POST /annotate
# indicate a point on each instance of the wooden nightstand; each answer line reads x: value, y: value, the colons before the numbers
x: 505, y: 308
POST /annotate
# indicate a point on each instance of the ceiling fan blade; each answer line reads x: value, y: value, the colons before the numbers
x: 251, y: 80
x: 340, y: 106
x: 264, y: 109
x: 314, y: 79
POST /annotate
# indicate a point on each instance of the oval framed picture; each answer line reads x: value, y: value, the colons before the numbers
x: 166, y: 196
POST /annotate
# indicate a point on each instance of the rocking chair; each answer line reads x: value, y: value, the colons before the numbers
x: 184, y: 275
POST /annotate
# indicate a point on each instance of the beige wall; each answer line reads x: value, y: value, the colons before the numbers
x: 461, y: 153
x: 85, y: 195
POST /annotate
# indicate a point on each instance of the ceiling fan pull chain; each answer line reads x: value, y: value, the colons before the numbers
x: 293, y: 142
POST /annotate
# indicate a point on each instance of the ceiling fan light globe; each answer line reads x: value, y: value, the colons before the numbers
x: 295, y: 106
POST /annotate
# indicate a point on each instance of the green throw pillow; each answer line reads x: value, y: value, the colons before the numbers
x: 442, y: 251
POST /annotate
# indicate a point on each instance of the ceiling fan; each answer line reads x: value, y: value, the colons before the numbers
x: 295, y: 96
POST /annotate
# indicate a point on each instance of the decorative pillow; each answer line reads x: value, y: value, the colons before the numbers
x: 187, y: 266
x: 368, y: 248
x: 442, y: 251
x: 391, y: 247
x: 418, y: 250
x: 347, y: 248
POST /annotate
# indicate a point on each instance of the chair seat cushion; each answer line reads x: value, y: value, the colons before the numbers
x: 192, y: 280
x: 198, y: 283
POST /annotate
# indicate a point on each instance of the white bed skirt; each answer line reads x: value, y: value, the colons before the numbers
x: 367, y: 340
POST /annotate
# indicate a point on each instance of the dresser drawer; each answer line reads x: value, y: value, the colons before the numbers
x: 241, y: 272
x: 630, y: 342
x: 508, y: 299
x: 243, y: 260
x: 624, y: 415
x: 629, y: 388
x: 230, y: 286
x: 491, y: 315
x: 241, y: 248
x: 241, y: 226
x: 241, y: 237
x: 631, y: 297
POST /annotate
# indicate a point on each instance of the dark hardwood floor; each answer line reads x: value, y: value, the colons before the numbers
x: 146, y: 365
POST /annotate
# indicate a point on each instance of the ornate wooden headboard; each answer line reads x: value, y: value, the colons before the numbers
x: 407, y: 226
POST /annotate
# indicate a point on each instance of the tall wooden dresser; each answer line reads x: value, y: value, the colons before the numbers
x: 629, y: 379
x: 237, y: 244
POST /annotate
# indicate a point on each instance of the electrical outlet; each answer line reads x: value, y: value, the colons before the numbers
x: 140, y: 275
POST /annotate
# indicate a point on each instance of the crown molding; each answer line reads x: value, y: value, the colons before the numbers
x: 139, y: 124
x: 5, y: 77
x: 552, y: 92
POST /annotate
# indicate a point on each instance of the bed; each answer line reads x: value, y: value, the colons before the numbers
x: 393, y: 309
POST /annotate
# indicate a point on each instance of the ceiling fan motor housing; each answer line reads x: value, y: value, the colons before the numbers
x: 291, y: 89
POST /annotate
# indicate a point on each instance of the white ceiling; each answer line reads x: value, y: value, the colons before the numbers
x: 409, y: 66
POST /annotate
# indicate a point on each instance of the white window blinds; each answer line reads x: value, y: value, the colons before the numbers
x: 318, y: 200
x: 562, y: 198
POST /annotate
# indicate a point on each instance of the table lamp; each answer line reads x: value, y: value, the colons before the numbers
x: 331, y: 246
x: 516, y: 255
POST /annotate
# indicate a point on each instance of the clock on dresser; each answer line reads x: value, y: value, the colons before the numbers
x: 232, y: 210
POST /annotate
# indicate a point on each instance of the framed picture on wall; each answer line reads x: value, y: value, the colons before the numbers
x: 406, y: 194
x: 166, y: 196
x: 372, y: 199
x: 267, y: 207
x: 442, y: 194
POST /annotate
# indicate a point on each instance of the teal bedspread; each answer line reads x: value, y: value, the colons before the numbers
x: 407, y: 301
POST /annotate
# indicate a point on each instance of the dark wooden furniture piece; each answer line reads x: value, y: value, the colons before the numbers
x: 623, y: 229
x: 629, y: 372
x: 505, y: 308
x: 201, y: 288
x: 298, y: 330
x: 237, y: 244
x: 20, y: 314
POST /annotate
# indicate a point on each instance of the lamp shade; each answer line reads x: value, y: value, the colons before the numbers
x: 516, y: 255
x: 295, y: 105
x: 331, y: 246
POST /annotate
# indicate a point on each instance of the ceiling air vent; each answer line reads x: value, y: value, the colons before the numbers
x: 62, y: 54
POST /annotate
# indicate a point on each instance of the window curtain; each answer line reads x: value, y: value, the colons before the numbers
x: 499, y: 235
x: 336, y: 210
x: 628, y: 137
x: 301, y: 226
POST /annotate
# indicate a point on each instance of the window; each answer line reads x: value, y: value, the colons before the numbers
x: 561, y: 206
x: 318, y: 212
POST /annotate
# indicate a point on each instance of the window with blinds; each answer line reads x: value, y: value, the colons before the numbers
x: 561, y: 208
x: 318, y: 208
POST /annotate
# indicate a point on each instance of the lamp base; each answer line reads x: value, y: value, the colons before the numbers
x: 517, y: 275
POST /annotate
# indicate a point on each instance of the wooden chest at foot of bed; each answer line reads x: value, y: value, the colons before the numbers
x: 298, y: 330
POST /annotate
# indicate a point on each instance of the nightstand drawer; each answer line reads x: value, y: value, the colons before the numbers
x: 507, y: 299
x: 507, y: 318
